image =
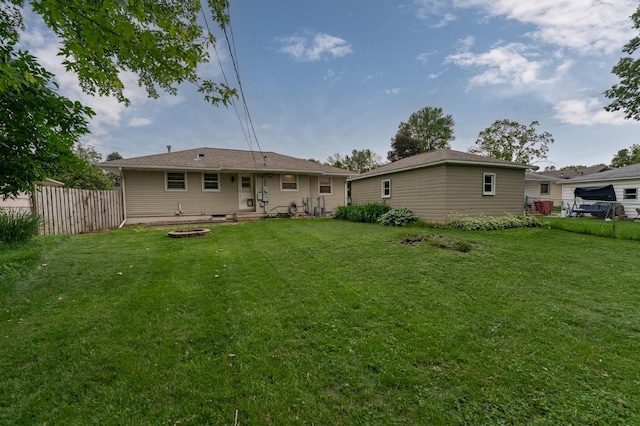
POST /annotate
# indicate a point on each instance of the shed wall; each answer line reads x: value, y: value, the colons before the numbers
x: 441, y: 192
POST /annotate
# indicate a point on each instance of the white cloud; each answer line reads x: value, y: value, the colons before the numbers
x: 332, y: 77
x: 435, y: 13
x: 314, y: 47
x: 590, y: 27
x: 424, y: 57
x: 139, y: 122
x: 587, y: 112
x: 435, y: 75
x: 394, y: 91
x: 514, y: 64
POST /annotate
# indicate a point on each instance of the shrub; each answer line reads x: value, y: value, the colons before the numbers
x: 483, y: 223
x: 368, y: 213
x: 397, y: 217
x: 17, y: 227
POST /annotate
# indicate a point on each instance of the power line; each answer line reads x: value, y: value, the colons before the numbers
x: 250, y: 129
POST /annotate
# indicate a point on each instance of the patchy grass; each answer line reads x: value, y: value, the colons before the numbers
x: 320, y: 322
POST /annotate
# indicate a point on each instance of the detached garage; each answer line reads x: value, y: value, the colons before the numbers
x: 441, y: 185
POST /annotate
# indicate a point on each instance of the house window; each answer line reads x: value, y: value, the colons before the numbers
x: 176, y: 181
x: 386, y: 188
x: 488, y: 184
x: 630, y: 194
x: 324, y: 185
x: 544, y: 188
x: 210, y: 182
x: 289, y: 182
x: 245, y: 184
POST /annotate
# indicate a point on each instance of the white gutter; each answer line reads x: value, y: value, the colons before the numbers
x: 124, y: 198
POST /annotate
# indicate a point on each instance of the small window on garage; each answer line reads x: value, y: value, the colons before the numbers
x: 210, y: 182
x: 631, y: 193
x: 324, y: 185
x: 176, y: 181
x: 386, y: 188
x: 488, y: 184
x: 289, y: 183
x: 544, y: 188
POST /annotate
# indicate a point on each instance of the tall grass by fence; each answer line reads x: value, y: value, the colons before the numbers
x: 76, y: 211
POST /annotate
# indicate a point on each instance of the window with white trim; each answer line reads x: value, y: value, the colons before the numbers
x: 544, y: 188
x: 386, y: 188
x: 488, y: 184
x: 210, y: 182
x: 630, y: 193
x: 289, y: 182
x: 176, y: 181
x: 324, y: 185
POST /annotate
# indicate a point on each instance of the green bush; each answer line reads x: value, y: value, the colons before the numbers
x: 17, y: 227
x: 367, y: 213
x: 397, y: 217
x: 483, y: 223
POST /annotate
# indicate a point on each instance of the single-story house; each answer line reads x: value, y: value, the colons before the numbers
x: 210, y: 182
x: 625, y: 181
x: 441, y: 185
x: 541, y: 187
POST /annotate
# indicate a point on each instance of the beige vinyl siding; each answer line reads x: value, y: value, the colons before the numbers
x: 464, y: 191
x: 441, y: 192
x: 20, y: 204
x: 146, y: 195
x: 307, y: 187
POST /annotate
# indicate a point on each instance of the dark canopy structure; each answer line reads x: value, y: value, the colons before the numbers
x: 597, y: 193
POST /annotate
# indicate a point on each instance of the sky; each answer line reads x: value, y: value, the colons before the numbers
x: 327, y: 77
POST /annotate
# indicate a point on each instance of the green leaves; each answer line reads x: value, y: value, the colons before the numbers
x: 626, y: 94
x: 426, y: 130
x: 512, y: 141
x: 161, y: 41
x: 38, y: 127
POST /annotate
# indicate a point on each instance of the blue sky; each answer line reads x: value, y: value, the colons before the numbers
x: 327, y: 77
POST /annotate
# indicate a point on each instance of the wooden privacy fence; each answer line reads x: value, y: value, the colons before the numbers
x: 74, y: 211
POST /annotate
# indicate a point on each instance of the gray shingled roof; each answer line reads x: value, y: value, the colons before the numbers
x: 216, y: 159
x: 441, y: 156
x: 571, y: 173
x: 540, y: 177
x: 627, y: 172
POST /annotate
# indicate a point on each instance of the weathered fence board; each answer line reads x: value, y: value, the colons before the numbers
x: 75, y: 211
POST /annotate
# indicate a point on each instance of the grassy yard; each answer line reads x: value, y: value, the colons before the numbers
x: 320, y: 322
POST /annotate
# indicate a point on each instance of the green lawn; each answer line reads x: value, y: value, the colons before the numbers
x: 320, y: 322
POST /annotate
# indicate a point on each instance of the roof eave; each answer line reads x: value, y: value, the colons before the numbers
x: 221, y: 169
x: 441, y: 162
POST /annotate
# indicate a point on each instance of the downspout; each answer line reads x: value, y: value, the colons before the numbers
x: 124, y: 198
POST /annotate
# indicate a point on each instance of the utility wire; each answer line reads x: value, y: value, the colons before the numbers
x: 249, y: 130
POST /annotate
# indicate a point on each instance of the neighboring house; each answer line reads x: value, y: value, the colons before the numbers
x: 540, y: 187
x: 576, y: 172
x: 23, y: 202
x: 206, y: 182
x: 440, y: 185
x: 625, y: 180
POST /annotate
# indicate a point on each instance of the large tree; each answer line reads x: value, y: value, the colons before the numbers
x: 627, y: 156
x: 403, y: 145
x: 512, y: 141
x: 430, y: 127
x: 625, y: 95
x: 359, y: 161
x: 85, y: 174
x: 160, y: 41
x: 38, y: 127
